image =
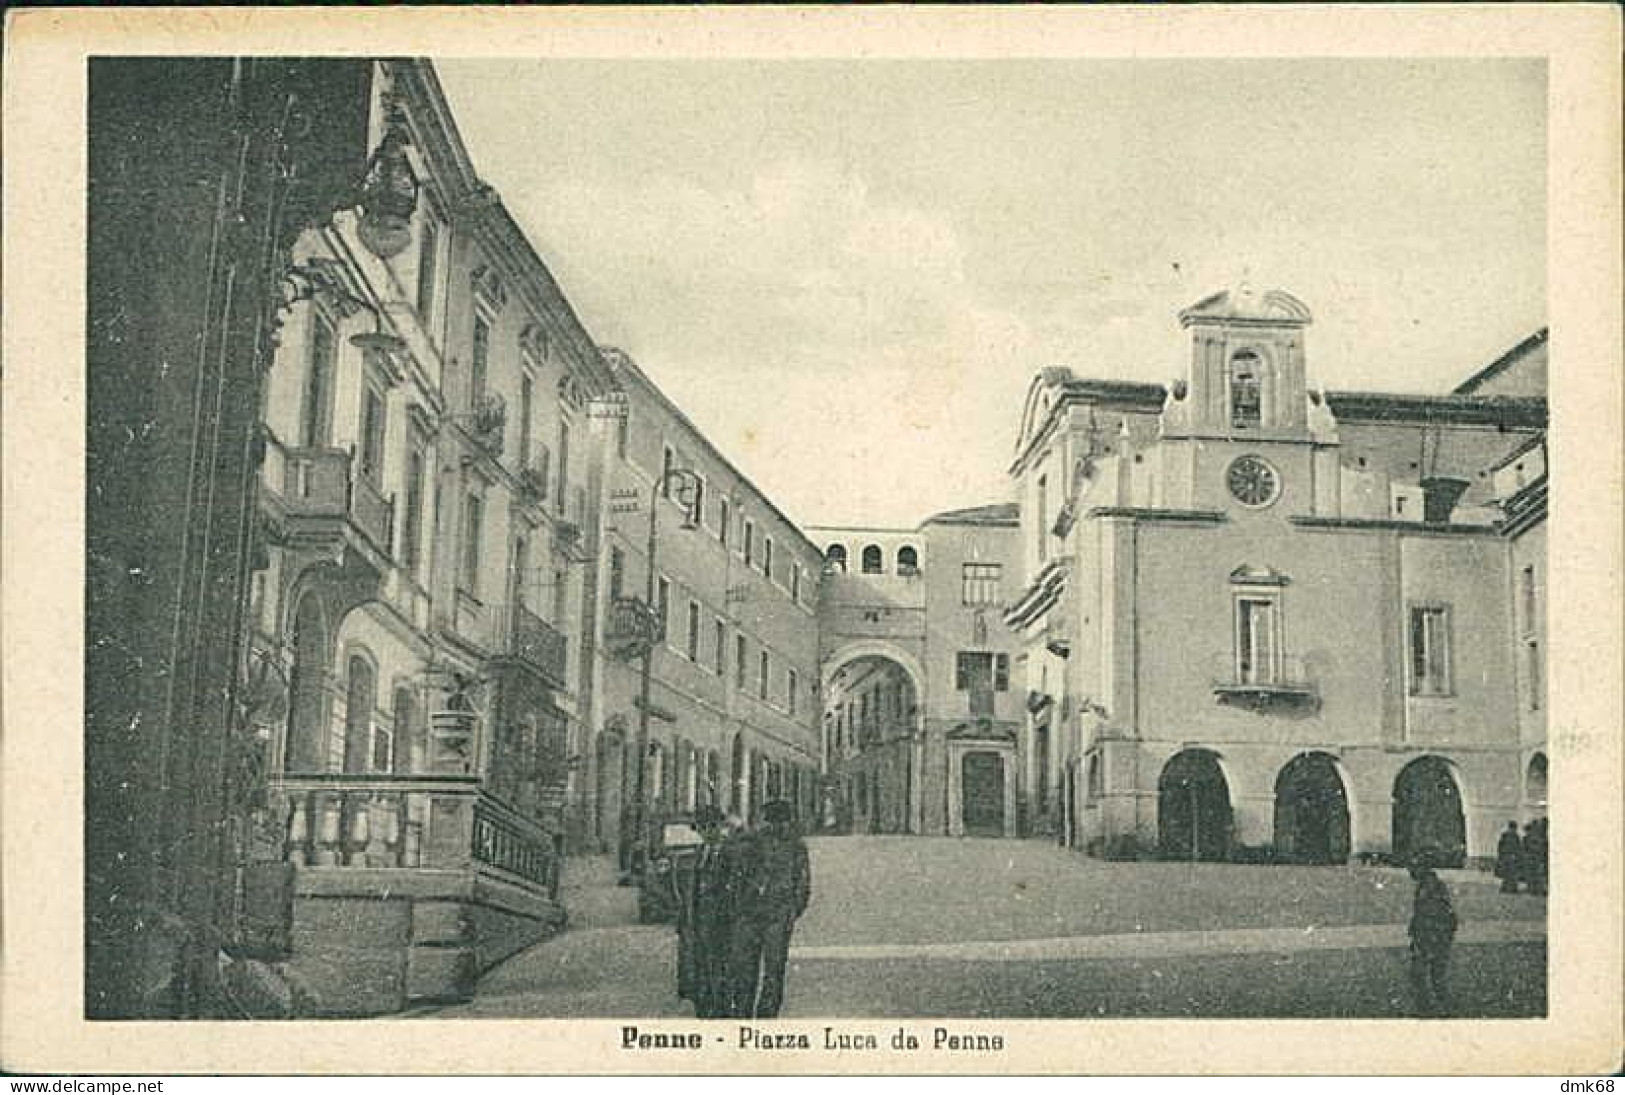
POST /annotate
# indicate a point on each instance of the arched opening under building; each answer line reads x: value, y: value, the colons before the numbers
x: 835, y: 558
x: 1428, y: 814
x: 908, y: 561
x: 1193, y: 808
x: 872, y: 702
x: 1311, y: 811
x: 874, y: 561
x: 1534, y: 786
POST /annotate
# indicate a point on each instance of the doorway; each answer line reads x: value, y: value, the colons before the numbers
x: 982, y: 794
x: 611, y: 757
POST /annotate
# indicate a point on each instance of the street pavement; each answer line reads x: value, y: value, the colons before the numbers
x: 914, y: 927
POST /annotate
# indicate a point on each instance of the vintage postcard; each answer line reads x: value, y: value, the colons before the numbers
x: 810, y: 540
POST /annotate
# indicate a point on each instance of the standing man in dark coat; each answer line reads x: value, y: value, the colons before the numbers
x: 705, y: 902
x: 1433, y: 930
x: 1509, y: 858
x: 780, y: 886
x: 1534, y: 854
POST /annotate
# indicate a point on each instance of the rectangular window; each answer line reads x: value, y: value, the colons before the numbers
x: 1531, y: 607
x: 318, y: 383
x: 1258, y: 655
x: 724, y: 515
x: 761, y: 675
x: 623, y: 429
x: 479, y: 361
x: 564, y: 465
x: 1532, y: 659
x: 617, y: 573
x: 740, y: 663
x: 795, y: 582
x: 1430, y: 651
x: 383, y: 747
x: 1042, y: 506
x: 696, y: 509
x: 979, y: 583
x: 750, y: 543
x: 372, y: 435
x: 412, y: 518
x: 719, y: 648
x: 428, y: 267
x: 790, y: 691
x: 693, y: 631
x: 526, y: 401
x: 668, y: 461
x: 662, y: 607
x: 767, y: 556
x: 974, y: 674
x: 1001, y: 673
x: 473, y: 526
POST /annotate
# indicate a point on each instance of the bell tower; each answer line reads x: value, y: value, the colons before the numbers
x: 1246, y: 378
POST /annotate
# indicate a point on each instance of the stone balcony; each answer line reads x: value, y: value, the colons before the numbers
x: 320, y: 501
x: 407, y: 887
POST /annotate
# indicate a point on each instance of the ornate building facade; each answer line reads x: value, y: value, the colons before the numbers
x: 1266, y: 621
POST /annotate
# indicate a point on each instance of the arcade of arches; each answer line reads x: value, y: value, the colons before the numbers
x: 1310, y: 809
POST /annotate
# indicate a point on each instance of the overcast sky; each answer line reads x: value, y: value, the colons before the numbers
x: 847, y: 273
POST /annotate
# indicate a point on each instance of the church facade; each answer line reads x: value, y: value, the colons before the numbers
x: 1263, y: 621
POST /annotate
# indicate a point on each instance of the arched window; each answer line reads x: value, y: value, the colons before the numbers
x: 1245, y: 408
x: 872, y: 560
x: 307, y: 704
x: 354, y: 751
x: 739, y: 783
x: 835, y: 558
x: 1535, y: 783
x: 408, y: 748
x: 908, y: 561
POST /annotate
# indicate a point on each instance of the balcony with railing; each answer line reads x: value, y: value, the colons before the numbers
x: 431, y: 822
x: 527, y: 638
x: 323, y: 497
x: 1263, y: 680
x: 406, y: 887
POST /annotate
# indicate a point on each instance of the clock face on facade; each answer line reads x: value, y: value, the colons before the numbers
x: 1252, y: 482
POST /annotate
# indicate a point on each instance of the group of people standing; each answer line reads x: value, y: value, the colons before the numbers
x: 1520, y: 860
x: 736, y: 909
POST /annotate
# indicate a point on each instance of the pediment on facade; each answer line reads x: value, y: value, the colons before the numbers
x: 1041, y: 395
x: 1246, y: 306
x: 1247, y: 574
x: 983, y: 730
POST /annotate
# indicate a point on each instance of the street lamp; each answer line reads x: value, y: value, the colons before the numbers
x: 688, y: 483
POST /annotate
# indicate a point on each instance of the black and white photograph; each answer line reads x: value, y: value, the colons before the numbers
x: 806, y: 557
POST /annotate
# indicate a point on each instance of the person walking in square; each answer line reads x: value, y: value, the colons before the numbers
x: 778, y: 890
x: 1509, y: 858
x: 1432, y: 930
